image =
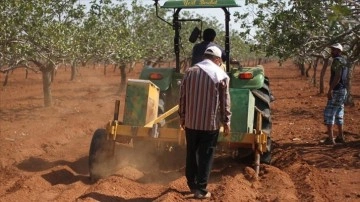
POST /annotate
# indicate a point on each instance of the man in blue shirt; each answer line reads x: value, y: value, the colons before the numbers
x: 334, y: 110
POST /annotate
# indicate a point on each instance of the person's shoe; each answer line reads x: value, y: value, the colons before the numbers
x: 193, y: 191
x: 328, y: 141
x: 200, y: 195
x: 339, y: 140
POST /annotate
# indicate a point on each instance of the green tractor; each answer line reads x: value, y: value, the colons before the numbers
x: 150, y: 114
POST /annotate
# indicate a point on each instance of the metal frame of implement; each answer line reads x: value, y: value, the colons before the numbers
x: 118, y: 132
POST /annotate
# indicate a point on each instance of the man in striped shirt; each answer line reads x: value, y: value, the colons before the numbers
x: 204, y: 106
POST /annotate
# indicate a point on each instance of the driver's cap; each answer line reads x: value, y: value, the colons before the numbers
x: 213, y: 50
x: 337, y: 46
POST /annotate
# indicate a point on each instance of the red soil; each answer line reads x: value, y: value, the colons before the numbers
x: 44, y: 151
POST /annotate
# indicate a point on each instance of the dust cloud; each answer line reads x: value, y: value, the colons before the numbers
x: 145, y: 161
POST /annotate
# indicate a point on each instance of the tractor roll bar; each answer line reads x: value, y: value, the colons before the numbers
x: 157, y: 12
x: 227, y: 38
x: 177, y: 26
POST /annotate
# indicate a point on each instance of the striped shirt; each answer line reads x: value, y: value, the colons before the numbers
x: 204, y: 104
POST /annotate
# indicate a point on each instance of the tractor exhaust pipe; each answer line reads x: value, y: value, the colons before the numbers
x: 117, y: 109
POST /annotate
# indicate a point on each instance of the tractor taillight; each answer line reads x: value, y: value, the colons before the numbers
x: 245, y: 75
x: 155, y: 76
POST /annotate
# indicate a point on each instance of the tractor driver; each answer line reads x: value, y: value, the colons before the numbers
x: 199, y: 49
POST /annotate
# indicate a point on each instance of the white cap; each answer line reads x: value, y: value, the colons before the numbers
x: 213, y: 50
x: 337, y: 46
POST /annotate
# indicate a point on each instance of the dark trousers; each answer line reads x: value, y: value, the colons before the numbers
x: 200, y: 148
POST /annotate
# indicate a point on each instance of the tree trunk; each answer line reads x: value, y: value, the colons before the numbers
x: 349, y: 99
x: 122, y: 76
x: 46, y: 77
x: 105, y: 65
x: 132, y: 65
x: 315, y: 70
x: 322, y: 74
x: 52, y: 75
x: 73, y: 70
x: 302, y: 68
x: 115, y: 67
x: 6, y: 78
x: 308, y: 69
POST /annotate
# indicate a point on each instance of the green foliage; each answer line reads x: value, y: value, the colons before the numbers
x: 42, y: 34
x: 50, y: 32
x: 39, y: 31
x: 303, y: 28
x: 339, y: 11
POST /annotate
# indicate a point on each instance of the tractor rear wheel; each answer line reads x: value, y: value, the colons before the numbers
x: 263, y: 98
x: 101, y: 155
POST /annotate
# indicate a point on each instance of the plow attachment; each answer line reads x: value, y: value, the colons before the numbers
x: 102, y: 149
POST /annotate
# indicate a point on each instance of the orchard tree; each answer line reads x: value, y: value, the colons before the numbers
x: 304, y: 29
x: 38, y: 32
x: 41, y: 35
